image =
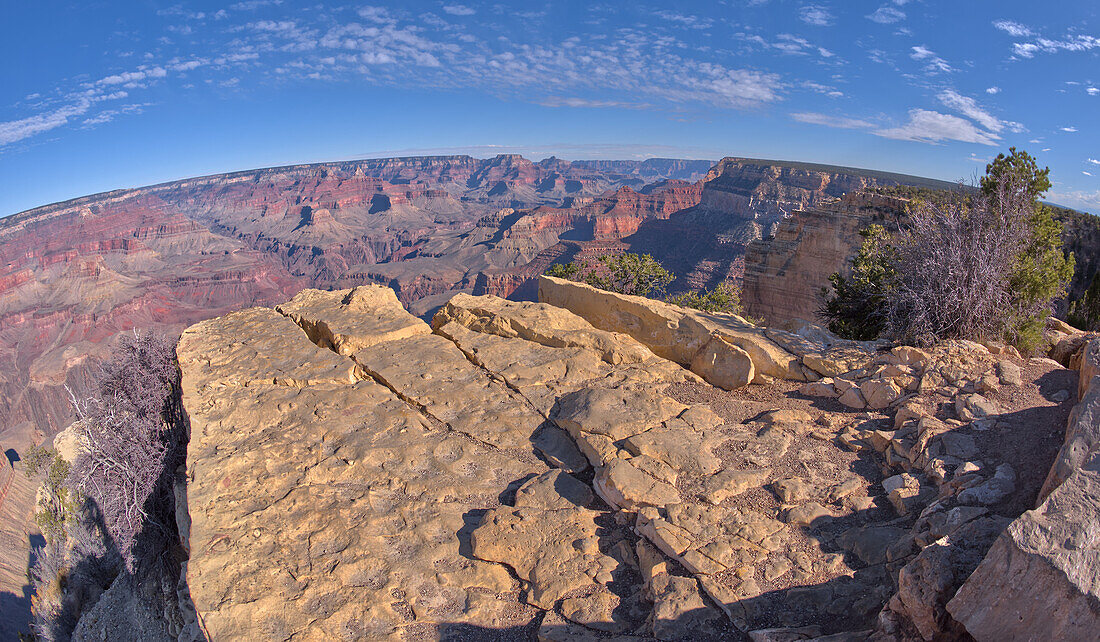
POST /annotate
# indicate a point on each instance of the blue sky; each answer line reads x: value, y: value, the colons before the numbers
x: 102, y: 95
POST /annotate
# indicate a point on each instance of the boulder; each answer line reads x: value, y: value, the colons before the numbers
x: 723, y: 364
x: 1082, y: 440
x: 347, y: 321
x: 677, y: 334
x: 1041, y: 578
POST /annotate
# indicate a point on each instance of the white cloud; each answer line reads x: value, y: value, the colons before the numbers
x: 1073, y: 42
x: 1093, y: 91
x: 969, y: 107
x: 584, y: 102
x: 1079, y: 199
x: 1013, y: 28
x: 816, y: 15
x: 17, y: 130
x: 887, y: 15
x: 1094, y: 161
x: 1069, y: 130
x: 993, y: 90
x: 933, y: 63
x: 1086, y: 173
x: 933, y: 127
x: 839, y: 122
x: 251, y: 5
x: 690, y: 21
x: 831, y: 92
x: 741, y: 87
x: 132, y: 77
x: 187, y: 65
x: 458, y: 10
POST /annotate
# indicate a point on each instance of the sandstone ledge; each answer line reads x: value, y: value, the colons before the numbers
x: 1041, y: 578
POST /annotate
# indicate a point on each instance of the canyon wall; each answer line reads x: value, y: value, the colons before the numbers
x: 784, y: 273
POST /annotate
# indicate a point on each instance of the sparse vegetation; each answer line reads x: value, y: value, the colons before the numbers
x: 642, y: 275
x: 857, y: 309
x: 132, y: 433
x: 627, y: 273
x: 1084, y: 313
x: 725, y: 297
x: 57, y: 507
x: 985, y: 265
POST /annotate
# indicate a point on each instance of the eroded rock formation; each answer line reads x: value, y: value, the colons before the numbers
x: 785, y: 272
x: 555, y: 471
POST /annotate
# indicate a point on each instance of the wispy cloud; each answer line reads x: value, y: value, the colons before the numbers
x: 887, y: 15
x: 993, y: 90
x: 1069, y: 130
x: 927, y: 126
x: 816, y: 15
x: 1013, y: 28
x: 1093, y: 161
x: 458, y: 10
x: 1093, y: 91
x: 252, y: 5
x: 839, y: 122
x: 1071, y: 42
x: 16, y: 130
x: 932, y: 63
x: 970, y: 108
x: 686, y: 20
x: 1081, y: 199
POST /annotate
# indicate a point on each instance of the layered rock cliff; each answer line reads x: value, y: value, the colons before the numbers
x: 74, y: 274
x: 784, y: 273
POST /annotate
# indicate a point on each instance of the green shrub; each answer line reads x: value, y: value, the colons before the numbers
x: 1084, y: 313
x: 628, y: 273
x: 982, y: 265
x: 725, y: 297
x: 856, y: 307
x: 59, y: 508
x: 564, y: 270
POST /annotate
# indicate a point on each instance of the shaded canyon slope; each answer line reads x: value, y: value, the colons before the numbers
x: 75, y: 274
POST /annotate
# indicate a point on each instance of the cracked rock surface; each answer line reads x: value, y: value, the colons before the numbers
x: 515, y: 472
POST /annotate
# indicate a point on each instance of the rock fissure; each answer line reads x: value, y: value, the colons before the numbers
x: 765, y: 510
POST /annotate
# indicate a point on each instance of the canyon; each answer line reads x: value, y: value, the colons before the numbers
x: 626, y: 426
x: 75, y: 274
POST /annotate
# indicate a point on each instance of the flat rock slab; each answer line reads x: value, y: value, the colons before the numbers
x: 330, y: 506
x: 347, y: 321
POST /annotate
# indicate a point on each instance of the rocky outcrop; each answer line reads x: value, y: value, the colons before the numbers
x: 1041, y: 579
x: 725, y: 349
x: 785, y: 272
x: 517, y: 469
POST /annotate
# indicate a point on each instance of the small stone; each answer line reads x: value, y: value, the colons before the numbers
x: 623, y: 485
x: 823, y: 388
x: 853, y: 399
x: 792, y: 490
x: 1060, y: 396
x: 807, y: 514
x: 730, y: 483
x: 844, y: 489
x: 975, y: 406
x: 959, y: 445
x: 993, y: 490
x: 786, y: 635
x: 879, y: 393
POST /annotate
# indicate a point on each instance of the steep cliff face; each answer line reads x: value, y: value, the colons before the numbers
x: 743, y: 201
x: 785, y: 273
